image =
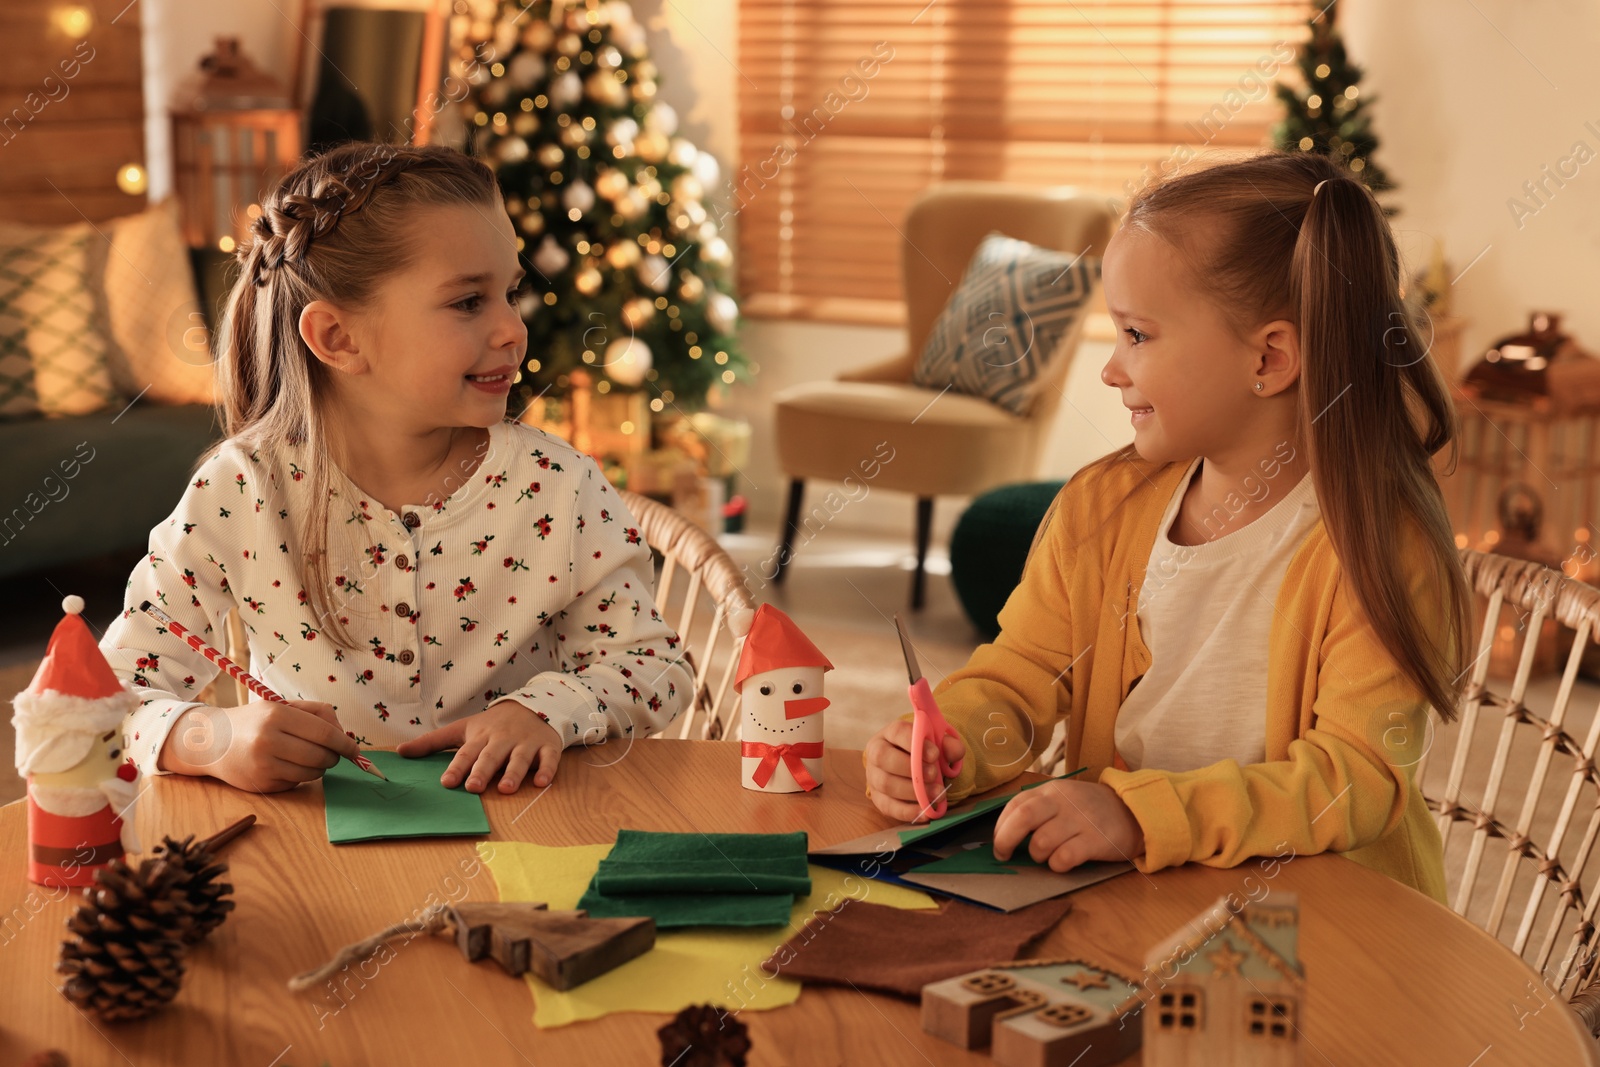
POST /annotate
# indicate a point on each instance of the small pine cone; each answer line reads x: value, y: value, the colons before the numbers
x: 205, y: 898
x: 703, y: 1035
x: 128, y: 955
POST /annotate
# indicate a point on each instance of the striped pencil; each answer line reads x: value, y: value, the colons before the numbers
x: 236, y: 673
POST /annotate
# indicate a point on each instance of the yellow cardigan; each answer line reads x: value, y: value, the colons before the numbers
x: 1344, y: 726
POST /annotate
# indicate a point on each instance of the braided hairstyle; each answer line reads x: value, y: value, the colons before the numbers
x: 332, y: 229
x: 1260, y: 239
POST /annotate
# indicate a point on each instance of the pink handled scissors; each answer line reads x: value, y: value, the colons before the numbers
x: 927, y: 725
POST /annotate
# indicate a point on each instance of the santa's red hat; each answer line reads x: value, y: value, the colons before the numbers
x: 73, y: 699
x: 774, y: 642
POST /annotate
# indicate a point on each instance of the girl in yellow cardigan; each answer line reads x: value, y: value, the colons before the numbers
x: 1243, y: 617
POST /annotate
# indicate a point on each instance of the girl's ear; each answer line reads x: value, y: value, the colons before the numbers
x: 1277, y: 346
x: 326, y: 330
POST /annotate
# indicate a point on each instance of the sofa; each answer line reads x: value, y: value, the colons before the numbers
x: 105, y: 383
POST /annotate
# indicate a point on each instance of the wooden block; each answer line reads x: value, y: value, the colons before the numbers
x: 1038, y: 1013
x: 563, y: 948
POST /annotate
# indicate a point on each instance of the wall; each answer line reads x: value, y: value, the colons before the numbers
x: 1474, y: 99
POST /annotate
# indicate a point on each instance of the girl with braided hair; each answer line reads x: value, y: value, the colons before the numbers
x: 1269, y: 562
x: 414, y: 571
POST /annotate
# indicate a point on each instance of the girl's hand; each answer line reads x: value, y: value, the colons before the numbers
x: 503, y: 735
x: 264, y: 746
x: 1071, y: 823
x: 888, y: 757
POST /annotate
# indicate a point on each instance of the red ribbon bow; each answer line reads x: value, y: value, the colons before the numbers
x: 791, y: 756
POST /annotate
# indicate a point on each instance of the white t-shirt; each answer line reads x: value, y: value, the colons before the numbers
x: 1205, y: 612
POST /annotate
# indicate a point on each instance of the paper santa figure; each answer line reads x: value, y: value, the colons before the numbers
x: 69, y: 747
x: 780, y: 693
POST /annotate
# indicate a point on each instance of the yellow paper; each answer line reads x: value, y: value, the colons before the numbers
x: 699, y: 965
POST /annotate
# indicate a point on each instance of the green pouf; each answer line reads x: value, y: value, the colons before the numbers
x: 990, y: 545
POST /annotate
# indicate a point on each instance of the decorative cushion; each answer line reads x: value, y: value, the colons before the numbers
x: 160, y: 339
x: 1004, y: 325
x: 53, y: 341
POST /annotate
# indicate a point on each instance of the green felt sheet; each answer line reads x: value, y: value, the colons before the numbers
x: 412, y: 803
x: 982, y: 807
x: 701, y: 879
x: 665, y: 863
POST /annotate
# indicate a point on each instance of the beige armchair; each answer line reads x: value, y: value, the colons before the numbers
x: 959, y: 445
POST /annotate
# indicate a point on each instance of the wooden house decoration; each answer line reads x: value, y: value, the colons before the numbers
x: 1038, y: 1013
x: 1237, y: 989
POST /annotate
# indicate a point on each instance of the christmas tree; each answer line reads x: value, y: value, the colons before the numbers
x: 627, y: 272
x: 1331, y: 115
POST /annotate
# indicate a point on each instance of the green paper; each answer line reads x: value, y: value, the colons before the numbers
x: 667, y: 863
x: 412, y: 803
x: 700, y: 879
x: 957, y: 818
x: 980, y: 860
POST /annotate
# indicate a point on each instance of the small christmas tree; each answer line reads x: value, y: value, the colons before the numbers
x: 627, y: 271
x: 1331, y: 115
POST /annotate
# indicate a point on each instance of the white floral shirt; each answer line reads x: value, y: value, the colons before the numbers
x: 530, y: 582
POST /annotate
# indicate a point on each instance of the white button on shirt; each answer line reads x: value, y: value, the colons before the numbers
x: 530, y: 582
x: 1205, y: 613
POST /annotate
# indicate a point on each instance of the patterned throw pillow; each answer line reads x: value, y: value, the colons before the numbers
x: 160, y: 345
x: 1004, y: 325
x: 53, y: 343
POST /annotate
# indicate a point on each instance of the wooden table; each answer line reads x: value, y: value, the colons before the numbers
x: 1392, y: 976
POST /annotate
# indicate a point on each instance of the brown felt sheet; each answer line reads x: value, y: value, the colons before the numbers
x: 893, y: 950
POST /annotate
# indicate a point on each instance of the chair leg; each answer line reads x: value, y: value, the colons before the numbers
x: 919, y: 578
x: 791, y: 523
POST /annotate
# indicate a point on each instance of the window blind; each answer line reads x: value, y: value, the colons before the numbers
x: 850, y: 108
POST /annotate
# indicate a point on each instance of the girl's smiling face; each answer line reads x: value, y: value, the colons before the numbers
x: 442, y: 339
x: 1186, y: 375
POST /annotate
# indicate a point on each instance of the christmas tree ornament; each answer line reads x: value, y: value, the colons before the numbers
x: 633, y: 205
x: 81, y: 789
x: 637, y: 311
x: 655, y: 273
x: 627, y: 361
x: 550, y: 155
x: 574, y: 136
x: 621, y: 256
x: 579, y: 197
x: 565, y: 90
x: 512, y: 149
x: 612, y: 184
x: 524, y: 124
x: 686, y: 187
x: 691, y: 288
x: 569, y: 44
x: 779, y: 682
x: 718, y: 252
x: 532, y: 223
x: 587, y: 282
x: 623, y: 131
x: 707, y: 169
x: 563, y: 949
x: 723, y: 312
x: 651, y: 145
x: 551, y: 258
x: 662, y: 119
x: 131, y: 936
x: 704, y: 1035
x: 603, y: 87
x: 681, y: 153
x: 525, y: 69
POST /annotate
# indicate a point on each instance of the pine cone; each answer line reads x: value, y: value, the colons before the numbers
x: 128, y: 957
x: 703, y: 1035
x: 205, y: 898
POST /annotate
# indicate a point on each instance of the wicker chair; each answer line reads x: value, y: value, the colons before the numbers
x: 1549, y: 888
x: 713, y: 610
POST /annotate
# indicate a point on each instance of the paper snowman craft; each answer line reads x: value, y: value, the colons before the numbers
x: 81, y: 789
x: 780, y: 694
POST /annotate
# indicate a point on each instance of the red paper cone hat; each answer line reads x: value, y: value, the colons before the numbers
x: 73, y: 697
x: 774, y: 641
